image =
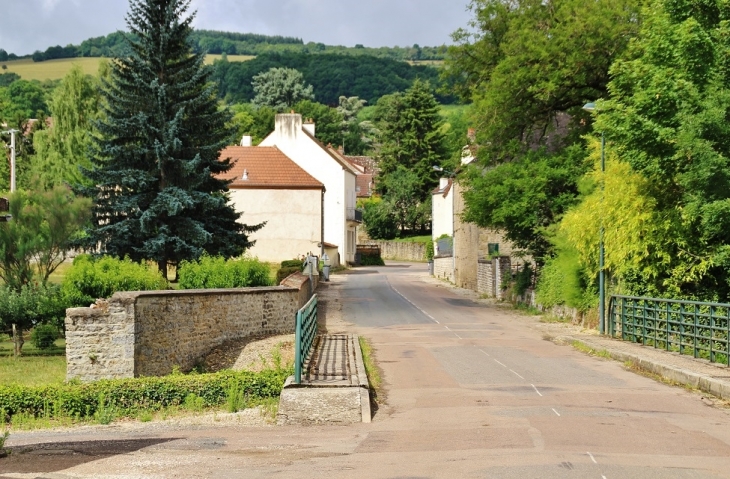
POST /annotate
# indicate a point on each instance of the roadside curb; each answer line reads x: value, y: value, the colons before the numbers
x: 704, y: 383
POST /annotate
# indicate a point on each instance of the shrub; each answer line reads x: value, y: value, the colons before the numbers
x: 90, y: 279
x: 429, y: 251
x: 283, y: 273
x: 216, y: 272
x: 127, y: 397
x: 371, y: 260
x: 293, y: 263
x: 43, y: 336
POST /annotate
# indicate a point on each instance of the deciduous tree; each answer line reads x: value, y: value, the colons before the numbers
x: 280, y: 89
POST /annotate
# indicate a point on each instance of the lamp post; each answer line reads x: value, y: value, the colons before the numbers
x: 591, y: 107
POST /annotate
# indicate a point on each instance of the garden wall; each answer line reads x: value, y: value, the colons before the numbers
x: 148, y: 333
x: 490, y: 274
x: 401, y: 250
x: 443, y: 268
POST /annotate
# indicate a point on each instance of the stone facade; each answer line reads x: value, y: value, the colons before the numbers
x: 466, y: 244
x: 149, y: 333
x: 443, y: 268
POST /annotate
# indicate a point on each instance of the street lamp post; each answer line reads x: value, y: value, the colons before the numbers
x: 601, y: 254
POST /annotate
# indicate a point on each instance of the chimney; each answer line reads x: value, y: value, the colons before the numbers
x: 246, y: 140
x: 309, y: 126
x: 288, y: 126
x: 245, y: 175
x: 341, y: 150
x: 443, y: 183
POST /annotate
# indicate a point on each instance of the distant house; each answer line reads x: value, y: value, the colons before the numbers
x: 367, y: 171
x: 297, y: 140
x: 267, y: 186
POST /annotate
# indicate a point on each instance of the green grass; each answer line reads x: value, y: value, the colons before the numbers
x: 447, y: 110
x: 413, y: 239
x: 371, y: 369
x: 60, y: 272
x: 57, y: 69
x: 602, y: 353
x: 32, y: 370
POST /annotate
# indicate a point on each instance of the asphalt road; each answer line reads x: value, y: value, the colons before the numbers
x: 472, y: 391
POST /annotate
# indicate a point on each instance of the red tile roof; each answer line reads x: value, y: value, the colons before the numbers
x: 265, y: 167
x: 365, y: 184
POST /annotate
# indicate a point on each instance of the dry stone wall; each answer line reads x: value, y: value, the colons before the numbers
x: 443, y: 268
x: 149, y: 333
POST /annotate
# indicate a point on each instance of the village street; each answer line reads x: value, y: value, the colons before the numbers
x: 472, y: 390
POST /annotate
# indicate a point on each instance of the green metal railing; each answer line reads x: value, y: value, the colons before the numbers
x: 306, y: 332
x: 686, y: 327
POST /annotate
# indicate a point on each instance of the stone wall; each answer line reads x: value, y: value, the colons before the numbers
x: 148, y: 333
x: 401, y: 250
x: 466, y: 244
x: 443, y: 268
x: 490, y: 274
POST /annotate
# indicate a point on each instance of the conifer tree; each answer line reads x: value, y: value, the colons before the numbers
x: 158, y: 149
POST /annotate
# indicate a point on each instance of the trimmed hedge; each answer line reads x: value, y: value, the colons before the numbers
x: 293, y: 263
x: 283, y: 273
x: 129, y: 396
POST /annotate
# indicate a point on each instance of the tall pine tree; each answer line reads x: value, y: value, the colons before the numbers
x: 158, y: 150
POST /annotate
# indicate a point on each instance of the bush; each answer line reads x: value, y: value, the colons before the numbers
x: 127, y: 397
x: 215, y: 272
x: 90, y: 279
x: 283, y: 273
x: 43, y: 336
x: 371, y: 260
x: 429, y: 251
x: 293, y: 263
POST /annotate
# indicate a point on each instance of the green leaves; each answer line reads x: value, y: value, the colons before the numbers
x: 280, y: 89
x: 216, y: 272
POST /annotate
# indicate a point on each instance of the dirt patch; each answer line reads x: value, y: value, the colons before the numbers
x: 252, y: 354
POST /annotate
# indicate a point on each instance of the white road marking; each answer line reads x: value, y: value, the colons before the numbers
x: 538, y: 392
x: 412, y: 304
x: 484, y: 352
x: 556, y: 412
x: 517, y: 375
x: 499, y: 363
x: 594, y: 461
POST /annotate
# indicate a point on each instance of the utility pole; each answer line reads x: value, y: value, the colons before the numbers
x: 12, y: 158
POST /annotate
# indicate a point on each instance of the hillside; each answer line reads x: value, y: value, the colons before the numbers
x: 250, y: 44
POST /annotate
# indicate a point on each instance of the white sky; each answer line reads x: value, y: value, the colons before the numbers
x: 29, y: 25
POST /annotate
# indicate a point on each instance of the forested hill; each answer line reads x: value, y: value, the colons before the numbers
x: 331, y: 76
x: 209, y: 41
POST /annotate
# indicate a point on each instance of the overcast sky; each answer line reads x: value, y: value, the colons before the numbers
x: 29, y: 25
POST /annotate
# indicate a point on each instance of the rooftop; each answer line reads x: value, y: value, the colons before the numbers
x: 265, y: 167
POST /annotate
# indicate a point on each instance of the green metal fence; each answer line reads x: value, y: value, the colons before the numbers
x: 306, y: 332
x: 687, y: 327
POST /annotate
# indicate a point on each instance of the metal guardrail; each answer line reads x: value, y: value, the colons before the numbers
x: 686, y: 327
x: 306, y: 332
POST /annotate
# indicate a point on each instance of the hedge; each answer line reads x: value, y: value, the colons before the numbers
x: 129, y: 396
x: 217, y: 272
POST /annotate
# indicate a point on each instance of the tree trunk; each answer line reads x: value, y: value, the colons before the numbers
x: 17, y: 339
x: 162, y: 266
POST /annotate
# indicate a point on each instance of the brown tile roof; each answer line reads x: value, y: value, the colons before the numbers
x: 265, y: 167
x: 365, y: 163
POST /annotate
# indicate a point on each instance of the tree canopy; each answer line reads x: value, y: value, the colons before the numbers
x: 280, y: 89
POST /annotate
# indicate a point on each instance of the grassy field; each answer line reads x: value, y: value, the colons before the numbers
x: 34, y: 368
x: 57, y: 69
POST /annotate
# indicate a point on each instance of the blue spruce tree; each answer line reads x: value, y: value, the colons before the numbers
x: 158, y: 149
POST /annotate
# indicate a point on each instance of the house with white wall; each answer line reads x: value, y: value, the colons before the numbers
x: 297, y: 141
x: 267, y: 186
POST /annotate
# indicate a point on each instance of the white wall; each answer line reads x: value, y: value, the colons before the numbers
x: 292, y: 221
x: 443, y: 214
x: 312, y: 158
